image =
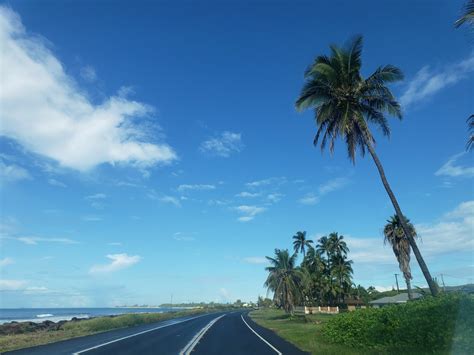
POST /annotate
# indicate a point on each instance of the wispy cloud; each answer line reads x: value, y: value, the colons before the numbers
x: 119, y: 262
x: 255, y: 260
x: 427, y: 82
x: 333, y: 185
x: 91, y: 218
x: 37, y: 240
x: 170, y: 199
x: 324, y: 189
x: 12, y: 285
x: 6, y: 261
x: 21, y: 285
x: 88, y: 74
x: 451, y: 169
x: 97, y: 196
x: 309, y: 199
x: 246, y: 194
x: 274, y: 181
x: 451, y: 233
x: 182, y: 237
x: 13, y: 172
x: 186, y: 187
x: 248, y: 212
x: 57, y: 183
x: 223, y: 145
x: 275, y: 197
x: 81, y: 134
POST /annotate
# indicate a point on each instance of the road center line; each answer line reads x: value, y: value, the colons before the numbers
x: 195, y: 340
x: 266, y: 342
x: 139, y: 333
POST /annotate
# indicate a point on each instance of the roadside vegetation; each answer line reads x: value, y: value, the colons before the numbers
x: 434, y: 325
x: 304, y: 331
x: 24, y: 334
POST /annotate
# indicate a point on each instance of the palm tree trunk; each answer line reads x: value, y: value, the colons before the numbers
x: 410, y: 294
x: 406, y: 231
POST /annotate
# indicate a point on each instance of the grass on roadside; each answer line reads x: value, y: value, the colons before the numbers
x: 302, y: 331
x: 88, y: 327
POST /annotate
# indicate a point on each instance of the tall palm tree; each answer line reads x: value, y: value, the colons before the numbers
x: 345, y: 104
x: 395, y: 236
x: 468, y: 15
x: 470, y: 141
x: 342, y: 272
x: 338, y: 245
x: 324, y: 246
x: 284, y: 279
x: 300, y: 243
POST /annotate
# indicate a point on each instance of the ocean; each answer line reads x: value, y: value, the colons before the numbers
x: 57, y: 314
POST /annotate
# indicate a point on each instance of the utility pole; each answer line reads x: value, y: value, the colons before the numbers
x: 396, y: 280
x: 444, y: 286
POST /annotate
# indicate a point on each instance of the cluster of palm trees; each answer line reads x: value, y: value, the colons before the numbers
x: 324, y: 276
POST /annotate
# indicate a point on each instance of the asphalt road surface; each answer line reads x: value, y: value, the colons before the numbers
x: 229, y: 333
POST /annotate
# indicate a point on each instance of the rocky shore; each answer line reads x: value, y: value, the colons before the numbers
x: 13, y: 328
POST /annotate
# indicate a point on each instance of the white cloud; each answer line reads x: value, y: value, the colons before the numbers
x: 452, y: 233
x: 265, y: 182
x: 119, y: 262
x: 54, y: 182
x: 309, y: 199
x: 186, y: 187
x: 247, y: 194
x: 6, y: 261
x: 170, y: 199
x: 37, y: 240
x: 332, y: 185
x: 183, y: 237
x: 248, y: 212
x: 117, y: 244
x: 88, y: 74
x: 275, y: 197
x: 12, y: 285
x: 324, y: 189
x: 12, y: 172
x: 20, y: 285
x: 223, y: 145
x: 450, y: 169
x: 255, y: 260
x: 46, y: 111
x: 428, y: 82
x: 98, y: 196
x: 92, y: 218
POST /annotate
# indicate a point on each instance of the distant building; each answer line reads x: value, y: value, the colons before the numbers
x: 397, y: 299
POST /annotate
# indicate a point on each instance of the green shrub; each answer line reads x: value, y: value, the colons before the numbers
x: 444, y: 323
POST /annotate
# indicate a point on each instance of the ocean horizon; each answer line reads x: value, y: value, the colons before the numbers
x: 58, y: 314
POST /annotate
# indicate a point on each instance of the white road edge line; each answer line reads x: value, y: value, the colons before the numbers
x: 266, y: 342
x: 195, y: 340
x: 133, y: 335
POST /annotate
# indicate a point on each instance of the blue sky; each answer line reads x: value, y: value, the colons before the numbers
x: 151, y: 149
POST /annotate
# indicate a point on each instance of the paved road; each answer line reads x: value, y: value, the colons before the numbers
x: 231, y: 333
